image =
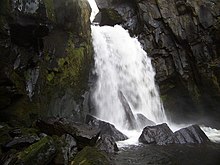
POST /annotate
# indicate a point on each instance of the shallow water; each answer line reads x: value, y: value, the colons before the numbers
x: 208, y: 154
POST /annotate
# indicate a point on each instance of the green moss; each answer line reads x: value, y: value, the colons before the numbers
x: 90, y: 156
x: 18, y: 81
x: 39, y: 153
x: 50, y: 76
x: 49, y: 4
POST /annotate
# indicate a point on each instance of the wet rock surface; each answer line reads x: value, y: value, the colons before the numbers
x: 159, y: 134
x: 105, y: 128
x: 191, y: 134
x: 107, y: 143
x: 163, y: 135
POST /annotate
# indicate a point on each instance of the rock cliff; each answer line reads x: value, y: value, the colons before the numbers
x: 46, y: 56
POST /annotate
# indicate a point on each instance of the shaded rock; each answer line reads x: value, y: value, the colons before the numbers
x: 143, y: 121
x: 131, y: 121
x: 21, y: 142
x: 191, y: 134
x: 66, y: 149
x: 91, y: 156
x: 105, y: 128
x: 84, y: 134
x: 108, y: 17
x: 41, y: 153
x: 107, y: 143
x: 159, y: 134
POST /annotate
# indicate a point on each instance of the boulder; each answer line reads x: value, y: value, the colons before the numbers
x: 159, y: 134
x: 105, y: 128
x: 21, y: 142
x: 191, y: 134
x: 143, y: 121
x: 107, y: 143
x: 66, y: 149
x: 90, y: 156
x: 162, y: 135
x: 41, y: 153
x: 84, y: 134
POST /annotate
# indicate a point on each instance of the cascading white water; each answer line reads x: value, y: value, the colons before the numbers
x: 123, y: 66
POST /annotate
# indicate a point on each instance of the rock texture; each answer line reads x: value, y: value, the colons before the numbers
x: 105, y: 128
x: 162, y: 135
x: 46, y: 54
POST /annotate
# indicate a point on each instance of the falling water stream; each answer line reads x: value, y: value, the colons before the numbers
x: 126, y: 76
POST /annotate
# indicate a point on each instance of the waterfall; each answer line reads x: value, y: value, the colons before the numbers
x: 123, y: 66
x: 125, y: 85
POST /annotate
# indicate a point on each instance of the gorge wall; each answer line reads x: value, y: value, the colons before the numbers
x: 182, y: 38
x: 46, y: 54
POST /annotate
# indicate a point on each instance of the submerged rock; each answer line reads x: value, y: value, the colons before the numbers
x: 90, y: 156
x: 191, y: 134
x: 107, y: 143
x: 84, y: 134
x: 159, y: 134
x: 162, y: 135
x: 105, y: 128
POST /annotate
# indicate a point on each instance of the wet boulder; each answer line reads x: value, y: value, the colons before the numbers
x: 105, y: 128
x: 191, y: 134
x: 84, y: 134
x: 41, y: 153
x: 21, y: 142
x: 159, y: 134
x: 91, y: 156
x: 107, y: 143
x: 143, y: 121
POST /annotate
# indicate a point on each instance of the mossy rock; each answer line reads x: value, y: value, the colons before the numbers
x: 110, y: 17
x: 49, y: 5
x: 39, y: 153
x: 90, y: 156
x: 4, y: 134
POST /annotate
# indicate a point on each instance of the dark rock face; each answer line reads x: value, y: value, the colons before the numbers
x: 107, y: 143
x: 159, y: 134
x: 46, y: 54
x: 105, y: 128
x: 162, y: 135
x: 191, y: 134
x: 108, y: 17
